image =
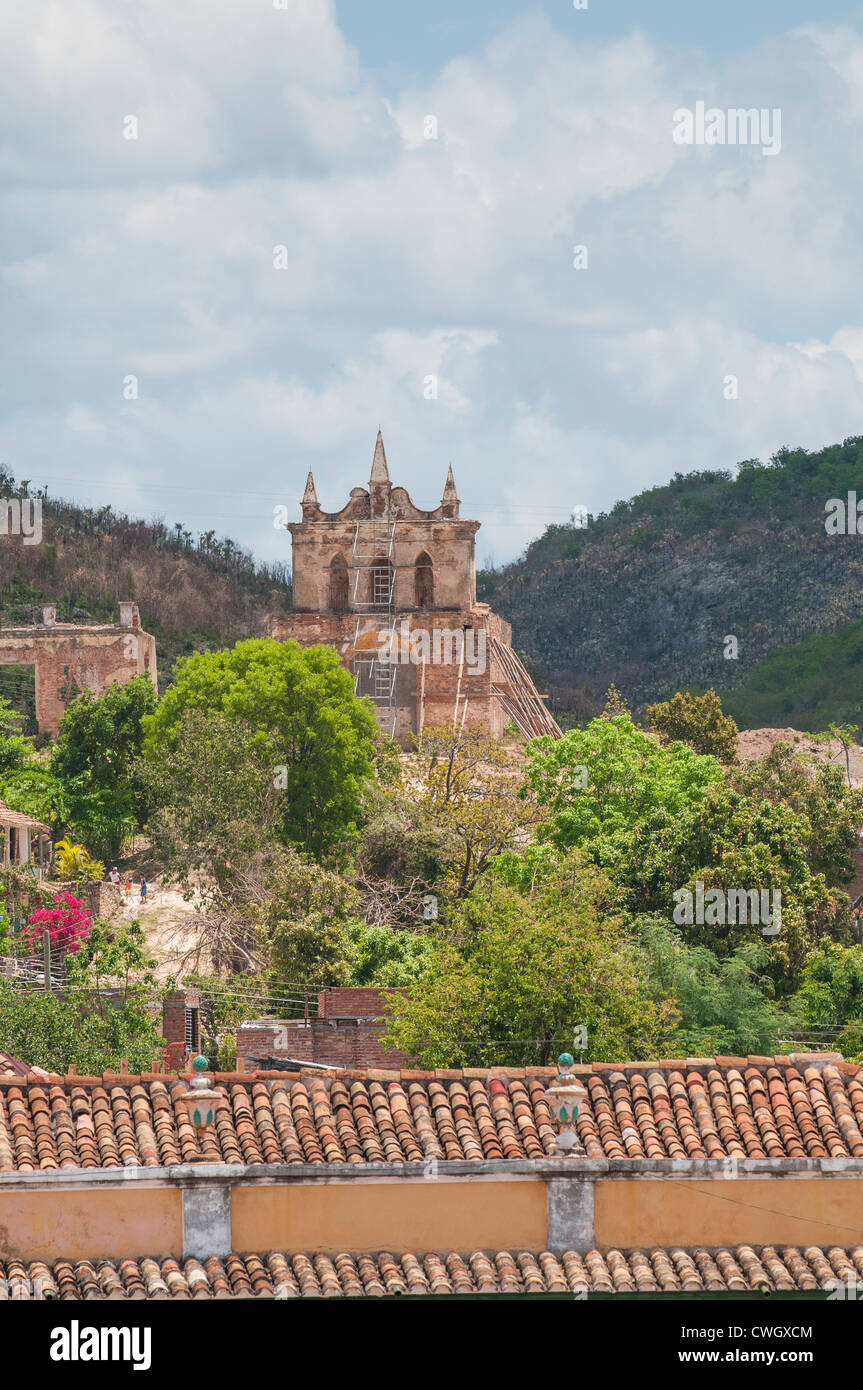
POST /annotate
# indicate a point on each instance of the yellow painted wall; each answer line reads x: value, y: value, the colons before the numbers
x: 397, y: 1216
x: 757, y: 1211
x: 133, y: 1221
x: 77, y: 1224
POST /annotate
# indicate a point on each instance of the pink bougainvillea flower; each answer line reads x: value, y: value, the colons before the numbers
x: 68, y: 924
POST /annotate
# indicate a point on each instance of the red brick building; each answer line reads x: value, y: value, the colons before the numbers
x: 347, y: 1031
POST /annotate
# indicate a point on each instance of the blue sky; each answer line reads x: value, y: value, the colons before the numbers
x: 234, y: 240
x: 404, y: 43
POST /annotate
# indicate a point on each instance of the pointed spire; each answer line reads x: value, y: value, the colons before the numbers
x: 380, y: 472
x: 311, y: 505
x: 310, y: 496
x: 450, y: 500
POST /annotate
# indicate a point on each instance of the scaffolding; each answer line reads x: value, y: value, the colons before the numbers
x: 374, y: 648
x: 519, y: 696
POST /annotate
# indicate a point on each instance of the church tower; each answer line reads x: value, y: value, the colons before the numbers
x: 384, y: 575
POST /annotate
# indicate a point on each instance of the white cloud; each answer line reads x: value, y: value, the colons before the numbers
x: 410, y: 258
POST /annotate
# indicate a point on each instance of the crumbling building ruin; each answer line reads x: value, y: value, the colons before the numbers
x: 70, y: 658
x: 393, y: 589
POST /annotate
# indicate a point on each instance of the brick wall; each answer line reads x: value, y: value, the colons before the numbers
x: 174, y: 1009
x: 441, y: 680
x: 346, y: 1033
x: 357, y: 1002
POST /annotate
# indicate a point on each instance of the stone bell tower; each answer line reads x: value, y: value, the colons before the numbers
x: 393, y: 588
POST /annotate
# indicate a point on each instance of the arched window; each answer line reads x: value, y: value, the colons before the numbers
x: 339, y: 584
x: 423, y: 582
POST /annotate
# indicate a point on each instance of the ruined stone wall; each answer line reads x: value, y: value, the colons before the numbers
x: 69, y: 659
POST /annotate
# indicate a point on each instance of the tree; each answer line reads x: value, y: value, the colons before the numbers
x: 213, y: 800
x: 34, y: 791
x: 817, y: 791
x: 661, y: 818
x: 16, y: 751
x: 846, y: 735
x: 299, y: 704
x: 96, y: 758
x: 598, y: 783
x: 468, y: 784
x: 312, y: 950
x: 113, y: 961
x: 727, y: 841
x: 829, y: 1003
x: 726, y: 1006
x: 214, y: 823
x: 304, y: 917
x: 697, y: 720
x: 385, y: 957
x: 615, y: 703
x: 106, y: 1015
x: 400, y: 857
x: 511, y: 978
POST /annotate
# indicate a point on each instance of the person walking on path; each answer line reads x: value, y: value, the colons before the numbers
x: 143, y: 889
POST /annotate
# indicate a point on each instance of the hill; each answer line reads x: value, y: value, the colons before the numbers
x: 646, y: 594
x: 643, y: 596
x: 194, y: 593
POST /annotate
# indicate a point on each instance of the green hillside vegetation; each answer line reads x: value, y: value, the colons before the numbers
x: 645, y: 595
x: 805, y: 686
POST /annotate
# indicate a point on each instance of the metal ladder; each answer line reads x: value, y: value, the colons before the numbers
x: 374, y: 604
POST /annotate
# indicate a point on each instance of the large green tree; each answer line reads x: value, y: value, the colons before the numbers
x: 829, y: 1003
x: 213, y: 799
x: 597, y: 784
x: 514, y: 976
x: 468, y: 784
x: 300, y: 705
x: 697, y: 720
x: 661, y: 818
x: 726, y: 1005
x: 95, y: 759
x: 834, y: 811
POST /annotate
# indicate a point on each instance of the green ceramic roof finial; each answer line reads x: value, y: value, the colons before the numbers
x: 200, y: 1064
x: 565, y: 1061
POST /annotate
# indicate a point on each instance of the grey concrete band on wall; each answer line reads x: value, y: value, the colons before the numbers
x: 206, y: 1220
x: 569, y: 1205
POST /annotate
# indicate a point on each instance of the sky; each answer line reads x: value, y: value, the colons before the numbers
x: 238, y: 236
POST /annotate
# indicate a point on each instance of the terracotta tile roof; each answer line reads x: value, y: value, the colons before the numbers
x: 807, y: 1107
x: 653, y: 1270
x: 20, y: 820
x: 13, y: 1066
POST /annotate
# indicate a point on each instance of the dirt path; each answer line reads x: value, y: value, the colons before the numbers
x: 756, y: 743
x: 169, y: 922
